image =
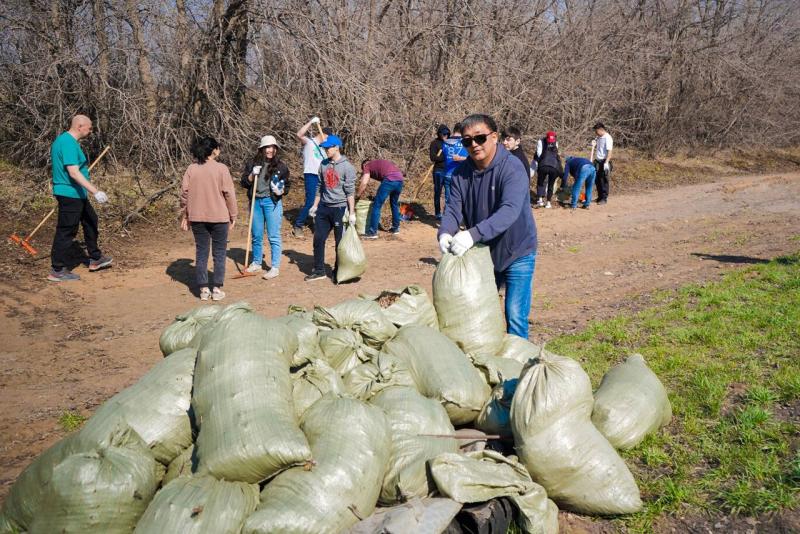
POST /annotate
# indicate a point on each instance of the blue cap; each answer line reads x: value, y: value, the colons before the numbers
x: 332, y: 140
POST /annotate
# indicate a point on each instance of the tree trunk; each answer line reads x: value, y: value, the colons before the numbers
x: 142, y: 61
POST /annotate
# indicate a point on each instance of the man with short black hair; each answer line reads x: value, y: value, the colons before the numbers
x: 604, y: 145
x: 391, y: 178
x: 490, y: 197
x: 70, y: 186
x: 512, y: 140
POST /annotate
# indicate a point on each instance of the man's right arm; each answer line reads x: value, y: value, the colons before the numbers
x: 301, y: 133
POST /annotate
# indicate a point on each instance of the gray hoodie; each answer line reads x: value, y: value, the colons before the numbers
x: 337, y: 181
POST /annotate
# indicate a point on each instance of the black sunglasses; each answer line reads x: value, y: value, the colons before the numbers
x: 480, y: 139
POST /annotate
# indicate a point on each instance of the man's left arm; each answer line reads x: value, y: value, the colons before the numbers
x: 514, y: 186
x: 609, y: 148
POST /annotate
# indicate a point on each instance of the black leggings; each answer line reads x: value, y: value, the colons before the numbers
x: 546, y: 181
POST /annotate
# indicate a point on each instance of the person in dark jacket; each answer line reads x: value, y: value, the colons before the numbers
x: 490, y: 197
x: 512, y: 140
x: 548, y: 164
x: 437, y: 158
x: 271, y: 178
x: 584, y: 172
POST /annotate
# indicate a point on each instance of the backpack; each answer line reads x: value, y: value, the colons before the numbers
x: 550, y: 157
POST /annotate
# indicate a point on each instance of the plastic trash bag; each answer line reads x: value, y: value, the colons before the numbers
x: 311, y: 383
x: 495, y: 417
x: 382, y: 371
x: 441, y: 371
x: 406, y: 306
x: 557, y: 442
x: 630, y: 403
x: 417, y: 516
x: 350, y: 442
x: 344, y: 349
x: 199, y: 505
x: 351, y: 260
x: 105, y: 490
x: 363, y: 207
x: 466, y: 301
x: 363, y: 316
x: 307, y: 338
x: 180, y: 333
x: 181, y: 466
x: 156, y: 407
x: 418, y: 427
x: 516, y: 348
x: 485, y: 475
x: 243, y: 399
x: 496, y: 369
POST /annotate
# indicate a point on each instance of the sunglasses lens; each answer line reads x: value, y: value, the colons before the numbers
x: 480, y: 139
x: 466, y: 141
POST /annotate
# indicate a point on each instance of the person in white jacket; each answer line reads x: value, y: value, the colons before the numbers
x: 604, y: 146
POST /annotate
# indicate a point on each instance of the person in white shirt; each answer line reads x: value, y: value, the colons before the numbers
x: 604, y: 146
x: 312, y: 158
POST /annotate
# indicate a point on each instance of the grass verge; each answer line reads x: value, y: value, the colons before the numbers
x: 728, y: 354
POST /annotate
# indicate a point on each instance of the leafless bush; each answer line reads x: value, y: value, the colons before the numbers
x: 662, y: 74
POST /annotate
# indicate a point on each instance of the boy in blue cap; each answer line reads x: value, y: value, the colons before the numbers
x: 337, y: 185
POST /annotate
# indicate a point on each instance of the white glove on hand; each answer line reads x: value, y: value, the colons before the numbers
x: 352, y: 219
x: 444, y: 243
x: 278, y: 191
x: 314, y: 120
x: 256, y: 170
x: 101, y: 197
x: 462, y: 242
x: 313, y: 211
x: 606, y: 167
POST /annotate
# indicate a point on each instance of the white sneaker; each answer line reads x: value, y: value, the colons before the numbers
x: 272, y: 273
x: 540, y: 203
x: 547, y: 206
x: 253, y: 268
x: 217, y: 294
x: 205, y: 293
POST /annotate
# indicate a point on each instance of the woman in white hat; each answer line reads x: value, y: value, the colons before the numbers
x: 270, y: 176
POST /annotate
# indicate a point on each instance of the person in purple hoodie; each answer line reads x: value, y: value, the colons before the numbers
x: 490, y: 197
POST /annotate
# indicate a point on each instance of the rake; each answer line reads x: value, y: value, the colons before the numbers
x: 25, y: 243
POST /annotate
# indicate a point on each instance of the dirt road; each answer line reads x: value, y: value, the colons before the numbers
x: 71, y: 346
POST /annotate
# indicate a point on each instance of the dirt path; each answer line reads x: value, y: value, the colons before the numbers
x: 71, y: 346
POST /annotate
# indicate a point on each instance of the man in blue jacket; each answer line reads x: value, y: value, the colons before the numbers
x: 584, y: 172
x: 490, y: 196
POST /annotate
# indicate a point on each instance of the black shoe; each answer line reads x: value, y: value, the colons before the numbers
x: 601, y: 202
x: 315, y: 275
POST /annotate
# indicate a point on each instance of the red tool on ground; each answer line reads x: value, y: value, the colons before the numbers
x: 26, y: 243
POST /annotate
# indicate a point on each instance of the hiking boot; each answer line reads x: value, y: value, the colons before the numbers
x: 100, y: 263
x: 370, y: 236
x: 297, y: 231
x: 548, y: 205
x: 315, y: 275
x: 217, y: 294
x: 272, y: 273
x: 64, y: 275
x: 205, y: 293
x: 254, y: 268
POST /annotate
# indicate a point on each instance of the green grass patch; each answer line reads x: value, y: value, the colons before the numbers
x: 71, y: 421
x: 729, y: 354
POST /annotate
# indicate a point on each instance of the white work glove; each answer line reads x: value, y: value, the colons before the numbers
x: 101, y: 197
x: 462, y: 242
x: 352, y: 219
x: 256, y: 170
x: 278, y: 191
x: 314, y: 120
x: 313, y: 211
x: 606, y: 167
x: 444, y: 243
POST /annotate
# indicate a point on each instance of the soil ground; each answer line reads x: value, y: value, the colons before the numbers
x: 70, y: 346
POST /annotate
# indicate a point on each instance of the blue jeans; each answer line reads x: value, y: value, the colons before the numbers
x: 386, y: 189
x: 587, y: 175
x: 518, y: 279
x: 271, y: 212
x: 440, y: 181
x: 312, y: 184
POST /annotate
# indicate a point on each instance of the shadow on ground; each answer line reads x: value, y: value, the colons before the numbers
x: 725, y: 258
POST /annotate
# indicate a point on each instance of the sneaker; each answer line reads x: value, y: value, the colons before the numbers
x: 370, y: 236
x: 101, y: 263
x: 548, y: 206
x: 585, y: 206
x: 217, y: 294
x: 297, y: 231
x: 315, y: 275
x: 205, y: 293
x: 254, y: 268
x: 396, y: 232
x: 601, y: 202
x: 272, y: 273
x: 539, y: 203
x: 64, y: 275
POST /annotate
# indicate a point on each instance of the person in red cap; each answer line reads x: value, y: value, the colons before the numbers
x: 549, y: 168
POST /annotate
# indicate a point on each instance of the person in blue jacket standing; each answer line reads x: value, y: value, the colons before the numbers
x: 490, y: 197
